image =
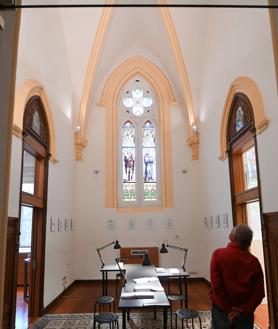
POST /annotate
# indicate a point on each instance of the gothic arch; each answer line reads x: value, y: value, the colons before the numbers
x: 248, y: 87
x: 28, y: 89
x: 151, y: 73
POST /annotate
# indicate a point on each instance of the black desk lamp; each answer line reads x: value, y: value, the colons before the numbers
x: 164, y: 250
x: 116, y: 246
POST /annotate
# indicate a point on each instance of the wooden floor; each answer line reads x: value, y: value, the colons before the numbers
x: 80, y: 298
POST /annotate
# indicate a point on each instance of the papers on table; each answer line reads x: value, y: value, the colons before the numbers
x: 121, y: 264
x: 145, y: 280
x: 148, y: 287
x: 174, y: 271
x: 160, y: 270
x: 137, y: 295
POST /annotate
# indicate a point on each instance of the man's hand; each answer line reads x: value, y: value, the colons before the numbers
x: 234, y: 314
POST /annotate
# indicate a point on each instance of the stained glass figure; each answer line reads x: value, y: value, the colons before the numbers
x: 36, y: 122
x: 149, y: 161
x: 239, y: 119
x: 128, y: 162
x: 137, y: 102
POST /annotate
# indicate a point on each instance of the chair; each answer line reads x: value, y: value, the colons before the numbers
x: 186, y: 314
x: 111, y: 318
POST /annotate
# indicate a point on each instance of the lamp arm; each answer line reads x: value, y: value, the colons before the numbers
x: 107, y: 245
x: 184, y: 257
x: 175, y: 247
x: 99, y: 254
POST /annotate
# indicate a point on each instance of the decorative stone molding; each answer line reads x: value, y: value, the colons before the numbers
x: 249, y: 88
x: 193, y: 142
x: 79, y: 143
x: 17, y: 131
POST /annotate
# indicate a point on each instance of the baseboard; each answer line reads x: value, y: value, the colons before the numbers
x: 200, y: 279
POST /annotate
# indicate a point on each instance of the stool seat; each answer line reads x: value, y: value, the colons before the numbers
x: 104, y: 300
x: 187, y: 314
x: 106, y: 317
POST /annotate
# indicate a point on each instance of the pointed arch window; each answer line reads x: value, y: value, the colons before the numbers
x: 139, y: 179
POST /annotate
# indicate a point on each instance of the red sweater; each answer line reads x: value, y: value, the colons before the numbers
x: 236, y: 278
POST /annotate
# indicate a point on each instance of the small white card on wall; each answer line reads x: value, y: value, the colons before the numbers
x: 149, y: 224
x: 169, y: 224
x: 131, y: 224
x: 110, y: 225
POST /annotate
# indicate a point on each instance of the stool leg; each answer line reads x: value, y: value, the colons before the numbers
x: 154, y: 312
x: 94, y: 324
x: 182, y: 320
x: 200, y: 322
x: 192, y: 320
x: 171, y: 310
x: 176, y: 321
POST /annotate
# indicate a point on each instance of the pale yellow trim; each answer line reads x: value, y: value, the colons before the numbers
x: 101, y: 30
x: 248, y: 87
x: 137, y: 66
x: 94, y: 56
x: 23, y: 93
x: 273, y: 14
x: 17, y: 131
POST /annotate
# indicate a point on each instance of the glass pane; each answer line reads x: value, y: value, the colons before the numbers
x: 128, y: 138
x: 149, y: 161
x: 137, y: 101
x: 36, y: 122
x: 129, y: 192
x: 250, y: 168
x: 28, y: 179
x: 239, y: 119
x: 128, y: 162
x: 254, y: 219
x: 26, y: 227
x: 150, y: 192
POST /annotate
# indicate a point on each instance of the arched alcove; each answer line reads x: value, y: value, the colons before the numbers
x: 153, y: 75
x: 248, y: 87
x: 24, y: 93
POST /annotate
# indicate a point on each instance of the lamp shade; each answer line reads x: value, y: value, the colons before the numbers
x: 163, y: 249
x: 117, y: 245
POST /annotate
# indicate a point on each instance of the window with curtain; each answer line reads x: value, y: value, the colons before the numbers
x: 138, y: 163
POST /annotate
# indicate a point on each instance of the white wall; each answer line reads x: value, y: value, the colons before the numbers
x: 241, y: 47
x: 92, y: 225
x: 42, y: 56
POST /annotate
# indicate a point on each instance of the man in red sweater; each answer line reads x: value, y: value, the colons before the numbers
x: 237, y: 282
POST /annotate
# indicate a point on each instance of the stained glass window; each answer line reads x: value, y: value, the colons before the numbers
x: 139, y: 184
x: 239, y: 119
x: 36, y: 122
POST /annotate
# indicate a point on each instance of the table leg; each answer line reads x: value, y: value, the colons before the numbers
x: 106, y: 283
x: 165, y: 313
x: 103, y: 283
x: 124, y: 319
x: 185, y: 292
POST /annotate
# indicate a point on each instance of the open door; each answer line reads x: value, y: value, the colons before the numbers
x: 244, y: 174
x: 270, y: 222
x: 33, y: 200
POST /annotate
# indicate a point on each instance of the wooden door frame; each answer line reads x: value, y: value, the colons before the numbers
x: 36, y: 306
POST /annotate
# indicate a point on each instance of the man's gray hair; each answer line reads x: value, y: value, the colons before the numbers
x: 243, y: 235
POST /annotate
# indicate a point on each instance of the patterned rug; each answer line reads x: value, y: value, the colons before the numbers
x: 137, y: 321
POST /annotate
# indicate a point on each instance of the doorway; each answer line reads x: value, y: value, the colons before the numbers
x: 33, y: 203
x: 244, y: 175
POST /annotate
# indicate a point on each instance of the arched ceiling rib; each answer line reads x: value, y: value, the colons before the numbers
x: 151, y: 32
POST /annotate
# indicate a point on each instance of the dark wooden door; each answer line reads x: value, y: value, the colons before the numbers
x: 12, y: 245
x: 270, y: 224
